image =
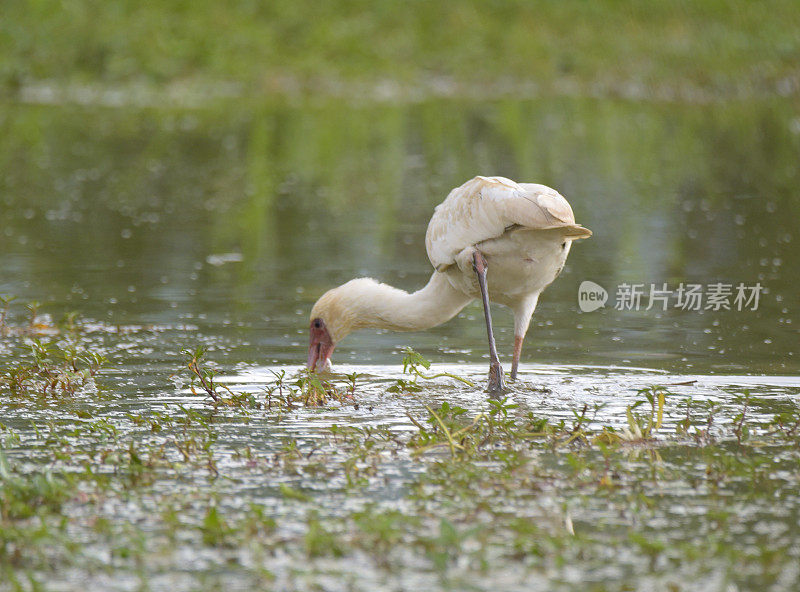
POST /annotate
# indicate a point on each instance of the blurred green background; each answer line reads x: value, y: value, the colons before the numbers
x: 140, y: 141
x: 660, y: 49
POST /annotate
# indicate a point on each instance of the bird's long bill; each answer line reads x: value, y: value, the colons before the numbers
x: 313, y: 355
x: 319, y: 356
x: 320, y: 348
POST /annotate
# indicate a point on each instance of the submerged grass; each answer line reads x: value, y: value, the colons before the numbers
x: 672, y: 493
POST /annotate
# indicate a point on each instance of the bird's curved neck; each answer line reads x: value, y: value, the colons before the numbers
x: 389, y: 308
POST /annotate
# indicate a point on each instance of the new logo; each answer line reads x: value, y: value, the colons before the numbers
x: 591, y: 296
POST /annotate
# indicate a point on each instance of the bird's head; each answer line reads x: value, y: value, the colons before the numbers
x: 333, y: 317
x: 358, y: 304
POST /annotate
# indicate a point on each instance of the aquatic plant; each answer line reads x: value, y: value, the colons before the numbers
x: 412, y: 362
x: 50, y: 361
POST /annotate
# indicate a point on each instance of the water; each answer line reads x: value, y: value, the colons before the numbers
x: 219, y: 226
x: 126, y: 216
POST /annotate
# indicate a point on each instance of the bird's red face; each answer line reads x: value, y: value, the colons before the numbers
x: 320, y: 346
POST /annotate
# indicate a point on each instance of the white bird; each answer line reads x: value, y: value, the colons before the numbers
x: 522, y: 232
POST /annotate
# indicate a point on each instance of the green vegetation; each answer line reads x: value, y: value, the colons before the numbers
x: 46, y: 366
x: 685, y: 50
x: 676, y: 489
x: 307, y: 389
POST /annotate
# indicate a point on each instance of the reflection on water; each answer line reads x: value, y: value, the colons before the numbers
x: 234, y: 219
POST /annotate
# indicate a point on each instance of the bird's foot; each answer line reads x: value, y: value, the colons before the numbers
x: 496, y: 382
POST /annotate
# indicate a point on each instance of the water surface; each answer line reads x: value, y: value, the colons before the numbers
x: 219, y: 226
x: 234, y: 219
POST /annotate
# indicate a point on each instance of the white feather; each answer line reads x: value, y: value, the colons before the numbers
x: 523, y: 230
x: 483, y: 208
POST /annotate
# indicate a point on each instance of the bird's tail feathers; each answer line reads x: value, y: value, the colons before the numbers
x: 575, y: 232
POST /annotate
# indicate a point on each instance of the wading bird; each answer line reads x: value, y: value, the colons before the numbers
x: 522, y: 232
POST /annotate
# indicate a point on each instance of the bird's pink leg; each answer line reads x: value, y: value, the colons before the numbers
x: 495, y: 369
x: 518, y: 339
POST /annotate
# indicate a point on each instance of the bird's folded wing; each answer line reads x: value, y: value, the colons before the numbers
x: 485, y: 207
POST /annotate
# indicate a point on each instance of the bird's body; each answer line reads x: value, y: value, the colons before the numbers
x: 521, y: 231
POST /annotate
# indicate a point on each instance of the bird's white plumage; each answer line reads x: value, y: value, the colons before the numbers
x: 520, y: 232
x: 484, y: 208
